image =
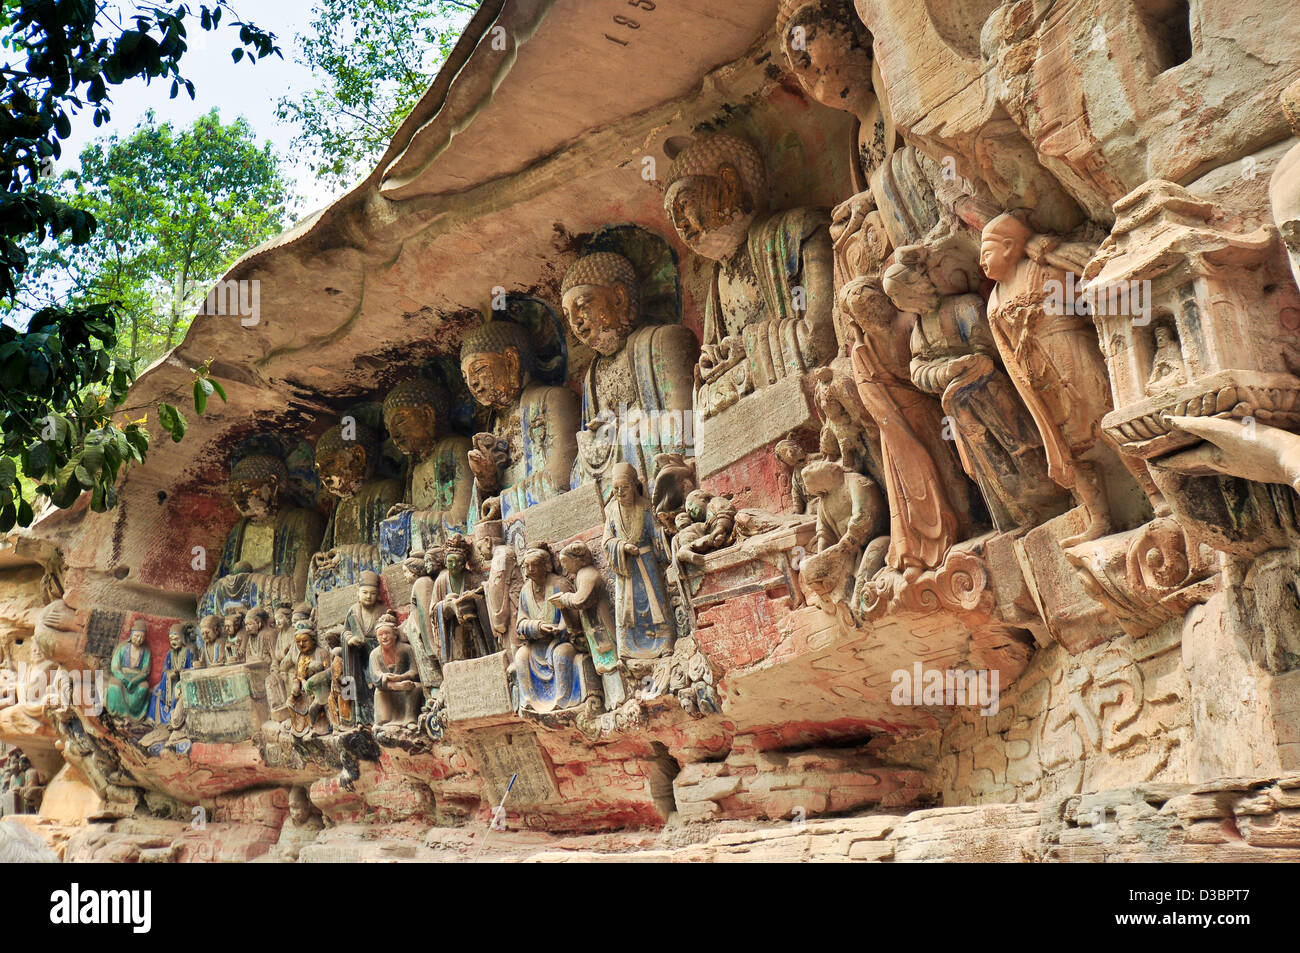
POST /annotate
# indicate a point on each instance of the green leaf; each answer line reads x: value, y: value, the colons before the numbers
x: 25, y: 515
x: 216, y: 386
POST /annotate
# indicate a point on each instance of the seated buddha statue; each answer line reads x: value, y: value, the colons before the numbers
x: 438, y: 482
x: 526, y: 456
x: 637, y: 393
x: 267, y: 556
x: 346, y: 458
x: 769, y: 314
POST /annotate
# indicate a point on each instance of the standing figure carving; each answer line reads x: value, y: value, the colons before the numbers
x: 644, y: 623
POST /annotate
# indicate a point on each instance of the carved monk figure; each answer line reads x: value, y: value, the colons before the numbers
x: 359, y: 641
x: 267, y: 555
x: 548, y: 666
x: 212, y: 642
x: 258, y: 638
x: 178, y: 658
x: 954, y: 358
x: 643, y: 616
x: 459, y: 608
x: 645, y: 369
x: 850, y: 513
x: 127, y: 692
x: 418, y: 628
x: 397, y: 683
x: 916, y: 463
x: 769, y: 312
x: 1053, y: 358
x: 534, y: 425
x: 346, y: 457
x: 588, y: 605
x: 438, y: 480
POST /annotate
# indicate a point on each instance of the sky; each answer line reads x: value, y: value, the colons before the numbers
x: 237, y: 89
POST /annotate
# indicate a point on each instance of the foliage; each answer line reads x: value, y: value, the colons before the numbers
x: 377, y: 58
x: 61, y: 383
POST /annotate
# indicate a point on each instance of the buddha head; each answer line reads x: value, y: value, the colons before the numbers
x: 716, y: 187
x: 601, y: 301
x: 1002, y: 246
x: 496, y: 362
x: 368, y: 589
x: 908, y: 283
x: 255, y: 485
x: 345, y: 456
x: 411, y: 414
x: 829, y: 52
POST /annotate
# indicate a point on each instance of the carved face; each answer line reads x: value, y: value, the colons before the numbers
x: 791, y: 456
x: 368, y: 596
x: 229, y: 626
x: 495, y: 380
x: 536, y: 566
x: 697, y: 505
x: 344, y: 472
x: 387, y: 637
x: 911, y: 290
x: 711, y: 213
x: 253, y: 622
x: 570, y: 563
x: 305, y: 641
x: 413, y: 429
x: 175, y: 637
x: 999, y: 255
x: 830, y: 67
x: 208, y: 631
x: 454, y: 561
x: 137, y: 637
x: 624, y: 487
x: 255, y: 498
x: 283, y: 618
x: 599, y: 316
x: 483, y: 549
x: 299, y: 806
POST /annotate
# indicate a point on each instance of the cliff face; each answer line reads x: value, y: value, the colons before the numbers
x: 970, y: 484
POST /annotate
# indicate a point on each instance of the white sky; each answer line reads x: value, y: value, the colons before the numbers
x: 237, y: 89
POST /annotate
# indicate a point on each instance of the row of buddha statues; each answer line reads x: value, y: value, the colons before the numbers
x: 955, y: 395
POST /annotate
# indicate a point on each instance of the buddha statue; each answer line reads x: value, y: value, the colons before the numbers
x: 346, y: 458
x: 527, y: 455
x: 769, y: 311
x: 438, y: 482
x: 637, y: 393
x: 829, y: 51
x: 267, y: 556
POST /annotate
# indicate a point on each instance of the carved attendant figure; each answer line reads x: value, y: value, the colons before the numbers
x: 178, y: 658
x: 127, y: 693
x: 397, y: 683
x: 359, y: 641
x: 212, y: 642
x: 769, y: 314
x: 645, y: 369
x: 644, y: 622
x: 547, y: 666
x: 528, y: 455
x: 459, y: 607
x: 953, y: 357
